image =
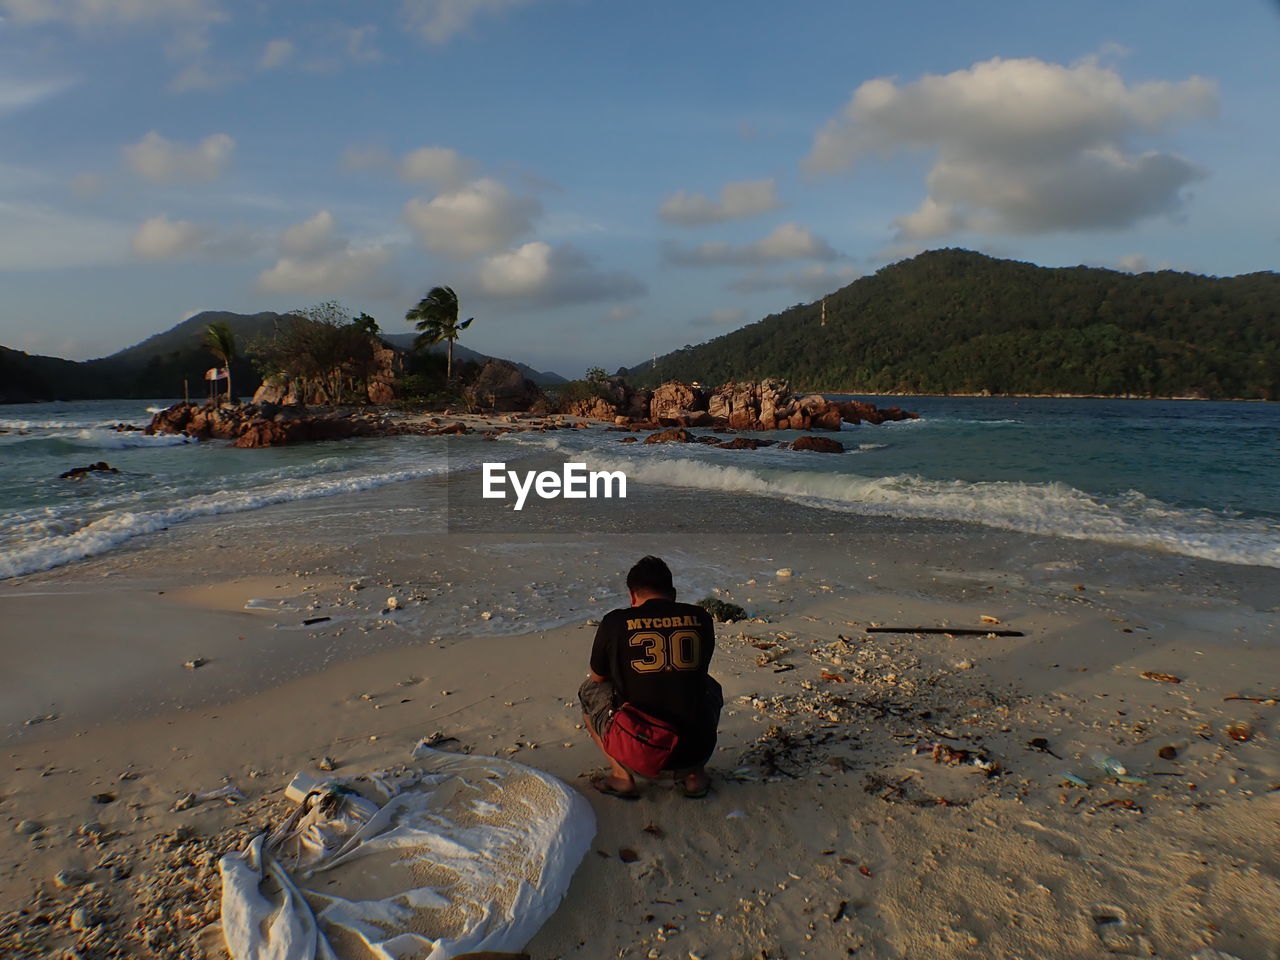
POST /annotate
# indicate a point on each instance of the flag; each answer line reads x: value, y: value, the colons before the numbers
x: 214, y: 373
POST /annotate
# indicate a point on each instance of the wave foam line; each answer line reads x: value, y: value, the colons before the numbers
x: 114, y: 529
x: 1054, y: 509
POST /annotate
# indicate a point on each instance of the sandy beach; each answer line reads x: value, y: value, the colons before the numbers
x: 848, y: 816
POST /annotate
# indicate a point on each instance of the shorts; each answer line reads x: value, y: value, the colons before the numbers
x: 599, y: 704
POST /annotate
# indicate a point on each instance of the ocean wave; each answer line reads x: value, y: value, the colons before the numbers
x: 90, y: 438
x: 117, y: 527
x: 1053, y: 508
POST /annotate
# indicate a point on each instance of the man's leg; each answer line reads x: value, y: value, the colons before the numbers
x: 597, y: 712
x: 620, y: 778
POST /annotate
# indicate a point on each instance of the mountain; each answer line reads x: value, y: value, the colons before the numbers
x: 955, y: 321
x: 157, y: 366
x: 462, y: 354
x: 180, y: 338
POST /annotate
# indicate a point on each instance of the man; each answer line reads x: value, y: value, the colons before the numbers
x: 654, y: 655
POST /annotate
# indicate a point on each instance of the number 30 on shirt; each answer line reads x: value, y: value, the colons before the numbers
x: 675, y: 651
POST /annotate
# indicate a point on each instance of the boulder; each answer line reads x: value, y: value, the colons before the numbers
x: 387, y: 365
x: 674, y: 435
x: 79, y: 473
x: 593, y: 408
x: 271, y: 390
x: 744, y: 443
x: 818, y: 444
x: 675, y: 398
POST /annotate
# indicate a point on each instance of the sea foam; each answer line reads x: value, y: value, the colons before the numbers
x: 1051, y: 508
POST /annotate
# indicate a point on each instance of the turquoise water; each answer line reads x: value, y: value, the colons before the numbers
x: 1193, y: 478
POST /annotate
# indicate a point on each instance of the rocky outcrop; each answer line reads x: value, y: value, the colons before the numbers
x: 593, y: 408
x: 737, y: 405
x: 676, y: 401
x: 855, y: 411
x: 674, y: 435
x: 609, y: 399
x: 500, y: 386
x: 385, y: 365
x: 817, y: 444
x: 259, y: 425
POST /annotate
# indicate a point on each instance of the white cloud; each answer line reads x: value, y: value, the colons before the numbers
x: 276, y: 54
x: 163, y: 161
x: 790, y: 241
x: 1023, y: 146
x: 1134, y: 263
x: 810, y: 281
x: 19, y: 94
x: 312, y: 238
x: 88, y: 13
x: 362, y: 272
x: 744, y: 198
x: 159, y: 238
x: 724, y: 317
x: 480, y: 218
x: 538, y: 274
x: 315, y: 261
x: 437, y: 21
x: 442, y: 167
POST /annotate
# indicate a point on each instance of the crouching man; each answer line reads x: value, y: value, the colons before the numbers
x: 654, y: 655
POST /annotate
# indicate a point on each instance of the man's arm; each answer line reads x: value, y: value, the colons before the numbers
x: 598, y: 670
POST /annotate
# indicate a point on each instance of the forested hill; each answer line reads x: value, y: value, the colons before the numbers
x: 954, y: 321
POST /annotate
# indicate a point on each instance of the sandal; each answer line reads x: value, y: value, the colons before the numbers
x: 696, y: 794
x: 602, y: 785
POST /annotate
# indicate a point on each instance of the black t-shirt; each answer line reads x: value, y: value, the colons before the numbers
x: 657, y: 655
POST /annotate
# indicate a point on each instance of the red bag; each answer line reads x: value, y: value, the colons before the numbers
x: 640, y: 741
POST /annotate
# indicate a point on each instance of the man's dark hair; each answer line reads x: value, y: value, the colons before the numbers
x: 650, y: 574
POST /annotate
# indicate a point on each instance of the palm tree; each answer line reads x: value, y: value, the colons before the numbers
x: 220, y: 340
x: 436, y: 316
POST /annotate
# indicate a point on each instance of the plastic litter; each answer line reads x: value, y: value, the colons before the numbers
x: 1108, y: 764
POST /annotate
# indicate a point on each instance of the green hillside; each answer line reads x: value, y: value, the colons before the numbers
x: 954, y: 321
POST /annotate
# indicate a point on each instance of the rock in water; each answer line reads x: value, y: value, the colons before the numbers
x: 79, y: 473
x: 674, y: 435
x: 818, y: 444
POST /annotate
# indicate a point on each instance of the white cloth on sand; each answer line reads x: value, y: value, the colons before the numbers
x: 452, y: 855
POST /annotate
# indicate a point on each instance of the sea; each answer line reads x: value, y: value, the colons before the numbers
x: 1193, y: 478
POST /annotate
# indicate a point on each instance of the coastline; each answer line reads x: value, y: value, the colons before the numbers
x: 1011, y: 864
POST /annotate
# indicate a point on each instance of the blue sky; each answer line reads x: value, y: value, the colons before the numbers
x: 603, y: 181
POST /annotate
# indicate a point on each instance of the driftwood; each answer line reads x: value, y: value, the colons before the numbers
x: 949, y: 631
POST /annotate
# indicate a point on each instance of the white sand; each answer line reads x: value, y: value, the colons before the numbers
x: 827, y: 836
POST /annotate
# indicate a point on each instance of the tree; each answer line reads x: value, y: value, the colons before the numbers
x: 220, y: 340
x: 322, y: 345
x: 436, y: 318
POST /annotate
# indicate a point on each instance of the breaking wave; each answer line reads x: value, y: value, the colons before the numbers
x: 1053, y: 508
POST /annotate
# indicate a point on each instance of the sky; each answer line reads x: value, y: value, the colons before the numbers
x: 601, y: 181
